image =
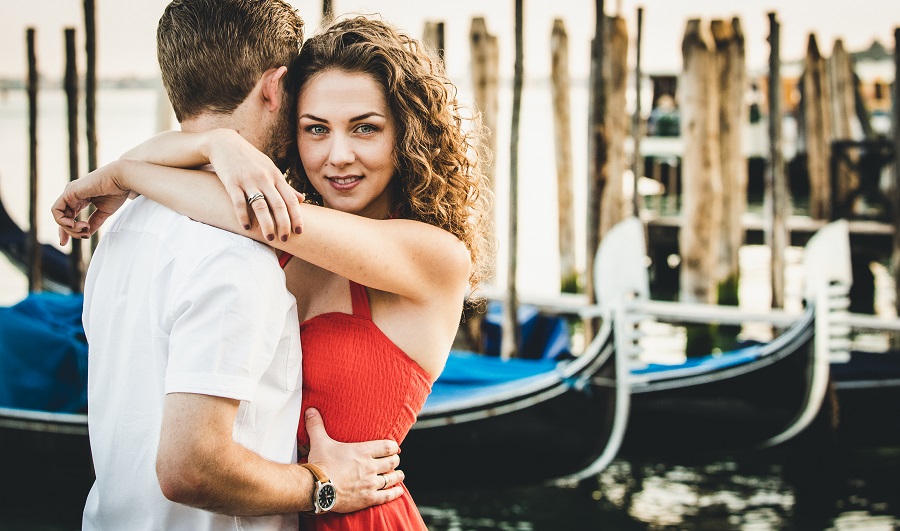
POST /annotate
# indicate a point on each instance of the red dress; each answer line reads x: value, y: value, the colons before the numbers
x: 366, y: 389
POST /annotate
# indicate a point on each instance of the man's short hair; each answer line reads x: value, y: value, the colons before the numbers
x: 212, y: 52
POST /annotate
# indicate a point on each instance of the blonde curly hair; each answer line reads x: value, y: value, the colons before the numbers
x: 439, y: 176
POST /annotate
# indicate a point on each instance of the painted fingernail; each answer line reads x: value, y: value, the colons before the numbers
x: 284, y: 238
x: 246, y: 227
x: 298, y: 230
x: 270, y: 237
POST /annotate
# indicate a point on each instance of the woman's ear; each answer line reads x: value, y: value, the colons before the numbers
x: 273, y: 85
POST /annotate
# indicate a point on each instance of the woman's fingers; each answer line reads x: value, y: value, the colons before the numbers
x: 278, y: 210
x: 390, y: 479
x: 260, y: 205
x: 239, y: 202
x: 292, y: 202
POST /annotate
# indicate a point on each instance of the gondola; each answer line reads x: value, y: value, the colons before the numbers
x: 531, y: 421
x: 43, y: 425
x: 756, y: 397
x: 55, y: 264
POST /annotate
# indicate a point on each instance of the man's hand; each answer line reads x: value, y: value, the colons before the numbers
x: 99, y: 187
x: 245, y: 171
x: 364, y: 474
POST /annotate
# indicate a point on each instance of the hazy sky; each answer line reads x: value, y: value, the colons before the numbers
x: 126, y: 28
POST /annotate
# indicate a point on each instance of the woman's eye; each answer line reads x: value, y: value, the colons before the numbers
x: 366, y: 128
x: 317, y: 129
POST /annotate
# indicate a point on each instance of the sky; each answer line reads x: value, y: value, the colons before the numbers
x: 126, y: 29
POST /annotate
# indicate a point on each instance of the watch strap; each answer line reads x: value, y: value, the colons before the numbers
x: 316, y: 471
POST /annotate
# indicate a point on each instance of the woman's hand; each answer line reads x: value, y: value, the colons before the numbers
x: 246, y: 172
x: 100, y: 187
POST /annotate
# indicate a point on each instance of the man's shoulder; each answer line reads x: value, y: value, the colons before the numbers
x: 189, y: 243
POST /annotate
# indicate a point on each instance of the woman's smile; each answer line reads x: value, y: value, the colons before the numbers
x: 344, y: 183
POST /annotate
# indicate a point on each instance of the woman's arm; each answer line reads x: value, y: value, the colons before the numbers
x: 240, y: 161
x: 409, y: 258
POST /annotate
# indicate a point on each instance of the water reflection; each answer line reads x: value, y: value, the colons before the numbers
x: 851, y: 491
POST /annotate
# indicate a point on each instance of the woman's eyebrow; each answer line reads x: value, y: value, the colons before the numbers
x: 314, y: 118
x: 354, y: 119
x: 366, y: 115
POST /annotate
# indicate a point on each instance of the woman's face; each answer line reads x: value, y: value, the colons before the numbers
x: 345, y: 136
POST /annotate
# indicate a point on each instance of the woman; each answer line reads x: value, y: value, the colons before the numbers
x: 379, y: 292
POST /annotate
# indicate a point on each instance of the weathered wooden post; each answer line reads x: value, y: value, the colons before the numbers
x: 817, y: 115
x: 702, y: 180
x: 839, y: 69
x: 732, y: 82
x: 895, y: 255
x: 90, y: 93
x: 597, y: 143
x: 510, y: 343
x: 485, y: 72
x: 776, y: 200
x: 35, y: 277
x: 433, y: 37
x: 637, y: 121
x: 562, y: 121
x: 613, y: 207
x: 76, y: 274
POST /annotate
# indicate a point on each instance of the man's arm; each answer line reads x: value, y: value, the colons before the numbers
x: 199, y: 464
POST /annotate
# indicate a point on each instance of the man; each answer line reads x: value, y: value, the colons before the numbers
x: 194, y: 374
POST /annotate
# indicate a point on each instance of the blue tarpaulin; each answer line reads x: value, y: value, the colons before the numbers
x: 43, y: 354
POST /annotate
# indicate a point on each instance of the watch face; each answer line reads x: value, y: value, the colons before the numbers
x: 326, y: 497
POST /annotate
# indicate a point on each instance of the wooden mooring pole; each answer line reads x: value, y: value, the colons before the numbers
x: 839, y: 70
x: 90, y: 93
x: 732, y: 81
x: 637, y: 121
x: 485, y: 72
x: 597, y: 149
x: 511, y: 337
x: 775, y: 199
x: 562, y: 122
x: 433, y: 38
x: 35, y: 277
x: 613, y: 207
x: 895, y: 255
x: 702, y: 186
x: 76, y: 272
x: 327, y: 11
x: 817, y: 116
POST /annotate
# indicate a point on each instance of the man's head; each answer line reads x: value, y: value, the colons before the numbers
x: 212, y: 53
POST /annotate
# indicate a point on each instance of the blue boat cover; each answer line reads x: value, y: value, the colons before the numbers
x: 469, y: 376
x: 543, y: 336
x: 703, y: 364
x: 43, y: 354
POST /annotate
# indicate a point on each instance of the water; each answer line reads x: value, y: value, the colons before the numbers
x: 750, y: 492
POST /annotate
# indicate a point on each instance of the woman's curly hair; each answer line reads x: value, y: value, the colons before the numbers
x: 440, y: 177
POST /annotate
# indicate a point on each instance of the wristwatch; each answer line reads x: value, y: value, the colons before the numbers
x: 324, y: 495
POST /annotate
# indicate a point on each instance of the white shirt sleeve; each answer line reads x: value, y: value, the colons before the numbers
x: 226, y: 321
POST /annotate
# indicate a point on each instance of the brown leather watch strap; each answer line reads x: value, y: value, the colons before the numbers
x: 320, y: 475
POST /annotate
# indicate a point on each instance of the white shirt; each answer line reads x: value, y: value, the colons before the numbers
x: 172, y: 305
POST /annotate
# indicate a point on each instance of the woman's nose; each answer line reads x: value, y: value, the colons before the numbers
x: 341, y: 152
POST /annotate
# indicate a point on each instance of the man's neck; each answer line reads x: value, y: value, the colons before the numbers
x: 208, y: 121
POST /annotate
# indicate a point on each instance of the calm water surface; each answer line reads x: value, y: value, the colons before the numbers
x: 854, y: 491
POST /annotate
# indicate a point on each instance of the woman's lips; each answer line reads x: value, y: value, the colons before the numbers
x: 344, y: 183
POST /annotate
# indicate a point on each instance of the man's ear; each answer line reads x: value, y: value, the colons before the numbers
x: 273, y: 84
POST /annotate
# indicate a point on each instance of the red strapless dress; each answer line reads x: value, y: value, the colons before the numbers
x: 366, y: 389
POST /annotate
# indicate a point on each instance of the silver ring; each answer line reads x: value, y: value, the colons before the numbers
x: 254, y: 197
x: 385, y: 481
